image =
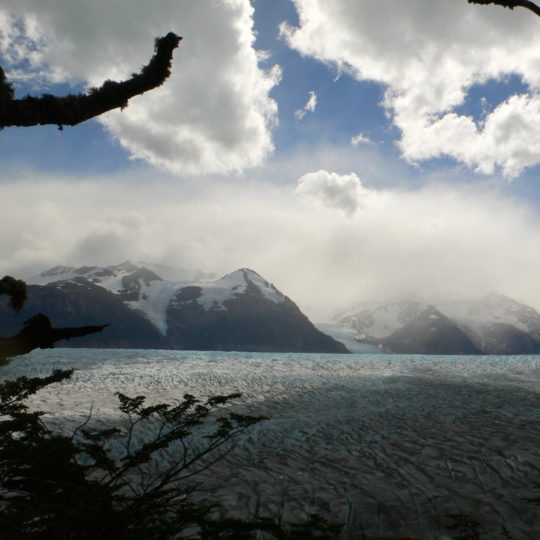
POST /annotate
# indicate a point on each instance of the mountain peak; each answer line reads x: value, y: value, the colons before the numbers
x: 241, y: 274
x: 127, y: 266
x: 242, y: 311
x: 214, y: 294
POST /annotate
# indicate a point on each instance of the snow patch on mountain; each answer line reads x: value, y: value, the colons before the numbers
x: 109, y: 278
x: 267, y: 289
x: 378, y: 321
x: 151, y: 287
x: 141, y: 287
x: 493, y: 308
x: 215, y: 294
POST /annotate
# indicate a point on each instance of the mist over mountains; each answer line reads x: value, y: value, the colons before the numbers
x: 153, y: 306
x: 493, y: 324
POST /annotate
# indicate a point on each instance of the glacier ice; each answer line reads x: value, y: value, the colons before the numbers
x: 384, y: 444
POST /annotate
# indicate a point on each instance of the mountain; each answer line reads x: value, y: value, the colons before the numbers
x: 240, y: 311
x: 497, y: 324
x: 429, y: 332
x: 494, y: 324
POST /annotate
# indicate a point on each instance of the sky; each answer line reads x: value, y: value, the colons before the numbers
x: 346, y: 150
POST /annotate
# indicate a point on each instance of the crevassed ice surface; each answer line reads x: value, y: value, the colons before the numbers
x: 386, y: 444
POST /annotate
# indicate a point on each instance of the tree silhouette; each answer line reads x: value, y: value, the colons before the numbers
x: 15, y: 289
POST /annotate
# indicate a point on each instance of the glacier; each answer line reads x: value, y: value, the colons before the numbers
x: 386, y: 444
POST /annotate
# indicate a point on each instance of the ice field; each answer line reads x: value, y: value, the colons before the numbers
x: 386, y: 444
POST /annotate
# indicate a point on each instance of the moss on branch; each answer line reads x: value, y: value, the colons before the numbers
x: 74, y: 109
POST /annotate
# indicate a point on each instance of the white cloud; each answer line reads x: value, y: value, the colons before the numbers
x: 429, y: 54
x: 360, y: 139
x: 342, y: 191
x: 213, y: 115
x: 440, y: 238
x: 308, y: 107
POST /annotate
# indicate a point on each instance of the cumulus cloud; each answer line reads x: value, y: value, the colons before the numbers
x: 360, y: 139
x: 308, y: 107
x: 462, y: 238
x: 214, y: 114
x: 342, y: 191
x: 429, y: 55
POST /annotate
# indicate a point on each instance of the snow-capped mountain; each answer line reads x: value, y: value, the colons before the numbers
x: 172, y: 309
x: 139, y: 287
x: 494, y: 324
x: 244, y: 309
x: 497, y: 324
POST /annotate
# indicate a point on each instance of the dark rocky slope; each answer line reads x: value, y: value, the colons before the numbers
x: 247, y: 321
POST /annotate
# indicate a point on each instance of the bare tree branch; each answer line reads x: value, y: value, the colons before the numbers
x: 39, y: 333
x: 74, y: 109
x: 511, y: 4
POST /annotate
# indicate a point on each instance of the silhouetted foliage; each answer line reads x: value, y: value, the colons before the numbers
x: 74, y: 109
x: 464, y: 526
x: 128, y: 482
x: 15, y: 289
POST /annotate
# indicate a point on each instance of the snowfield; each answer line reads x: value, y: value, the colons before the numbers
x: 384, y: 444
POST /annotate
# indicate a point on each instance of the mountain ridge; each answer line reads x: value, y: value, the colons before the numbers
x: 492, y: 324
x: 240, y: 311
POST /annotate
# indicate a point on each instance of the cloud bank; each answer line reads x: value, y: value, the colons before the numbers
x: 429, y: 55
x: 214, y: 114
x: 435, y: 240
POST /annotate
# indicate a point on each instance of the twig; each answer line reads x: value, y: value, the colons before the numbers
x: 78, y: 428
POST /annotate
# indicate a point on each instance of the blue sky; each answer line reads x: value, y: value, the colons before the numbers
x: 412, y: 171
